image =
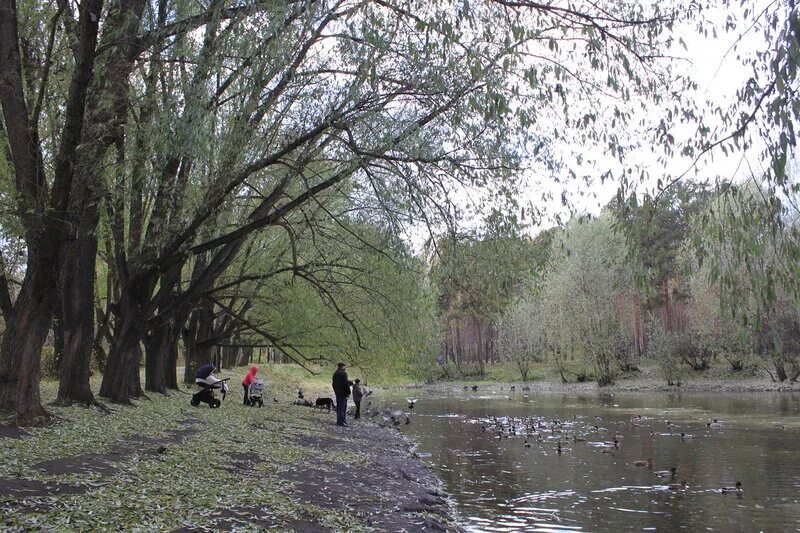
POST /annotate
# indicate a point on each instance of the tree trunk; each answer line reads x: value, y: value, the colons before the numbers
x: 780, y: 371
x: 121, y: 380
x: 21, y: 348
x: 245, y: 355
x: 230, y: 356
x: 199, y: 330
x: 161, y: 343
x: 161, y: 348
x: 77, y: 305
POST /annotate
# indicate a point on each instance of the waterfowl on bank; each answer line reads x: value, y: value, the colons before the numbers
x: 474, y: 387
x: 737, y: 489
x: 667, y: 473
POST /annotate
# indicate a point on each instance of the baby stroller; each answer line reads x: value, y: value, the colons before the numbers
x: 256, y: 392
x: 206, y: 393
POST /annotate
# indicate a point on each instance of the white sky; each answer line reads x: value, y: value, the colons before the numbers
x: 718, y: 73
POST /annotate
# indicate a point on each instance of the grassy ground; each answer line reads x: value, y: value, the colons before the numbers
x: 163, y: 465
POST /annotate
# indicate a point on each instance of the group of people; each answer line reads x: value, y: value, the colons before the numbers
x: 341, y: 388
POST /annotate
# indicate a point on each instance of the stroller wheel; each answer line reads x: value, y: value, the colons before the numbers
x: 194, y: 401
x: 214, y: 403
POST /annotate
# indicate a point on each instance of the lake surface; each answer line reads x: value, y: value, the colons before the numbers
x: 475, y: 442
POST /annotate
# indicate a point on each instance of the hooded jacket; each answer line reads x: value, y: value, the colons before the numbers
x: 248, y: 379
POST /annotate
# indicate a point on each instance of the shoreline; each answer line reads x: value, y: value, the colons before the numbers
x: 627, y: 384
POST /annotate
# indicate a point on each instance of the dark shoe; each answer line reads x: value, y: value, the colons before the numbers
x: 346, y: 425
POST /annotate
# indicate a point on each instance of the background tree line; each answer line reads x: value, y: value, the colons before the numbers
x: 660, y: 280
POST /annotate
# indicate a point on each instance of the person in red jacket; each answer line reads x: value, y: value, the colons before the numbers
x: 247, y: 381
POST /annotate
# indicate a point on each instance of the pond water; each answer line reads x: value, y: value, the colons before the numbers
x: 476, y: 443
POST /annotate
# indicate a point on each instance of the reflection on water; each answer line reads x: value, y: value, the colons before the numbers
x: 517, y: 462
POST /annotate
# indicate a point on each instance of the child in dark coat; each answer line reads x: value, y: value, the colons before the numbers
x: 358, y: 394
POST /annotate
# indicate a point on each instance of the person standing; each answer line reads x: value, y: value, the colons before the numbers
x: 341, y: 388
x: 247, y: 381
x: 358, y: 394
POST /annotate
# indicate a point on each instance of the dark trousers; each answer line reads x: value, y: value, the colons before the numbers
x: 358, y: 409
x: 246, y: 395
x: 341, y: 409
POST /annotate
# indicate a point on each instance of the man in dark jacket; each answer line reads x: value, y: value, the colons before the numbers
x: 341, y: 388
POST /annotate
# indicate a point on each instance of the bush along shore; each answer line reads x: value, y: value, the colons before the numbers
x: 163, y: 465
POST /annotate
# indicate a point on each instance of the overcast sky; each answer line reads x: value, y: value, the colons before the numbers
x: 713, y: 64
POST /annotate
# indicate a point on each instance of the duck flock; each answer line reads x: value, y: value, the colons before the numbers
x: 562, y: 436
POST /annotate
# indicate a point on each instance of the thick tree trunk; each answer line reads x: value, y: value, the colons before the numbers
x: 21, y: 348
x: 77, y: 304
x: 161, y: 349
x: 121, y: 381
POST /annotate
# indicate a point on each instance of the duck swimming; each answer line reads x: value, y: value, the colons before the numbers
x: 686, y: 436
x: 666, y: 473
x: 737, y: 489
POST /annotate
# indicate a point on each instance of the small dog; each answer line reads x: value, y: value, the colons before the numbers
x: 325, y: 402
